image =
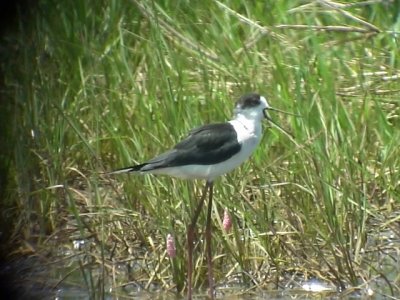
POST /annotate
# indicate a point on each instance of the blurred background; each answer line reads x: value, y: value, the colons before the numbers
x: 90, y: 86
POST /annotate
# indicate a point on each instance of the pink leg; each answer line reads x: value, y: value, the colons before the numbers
x: 208, y: 245
x: 190, y: 238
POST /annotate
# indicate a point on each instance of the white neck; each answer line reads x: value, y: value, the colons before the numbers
x: 251, y: 121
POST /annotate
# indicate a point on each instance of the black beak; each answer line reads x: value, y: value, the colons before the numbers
x: 281, y: 111
x: 266, y: 115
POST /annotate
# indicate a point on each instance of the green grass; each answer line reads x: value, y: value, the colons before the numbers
x: 101, y: 85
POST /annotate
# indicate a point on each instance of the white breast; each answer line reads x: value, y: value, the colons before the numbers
x: 249, y: 136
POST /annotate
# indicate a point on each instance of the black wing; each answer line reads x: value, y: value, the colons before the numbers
x: 205, y: 145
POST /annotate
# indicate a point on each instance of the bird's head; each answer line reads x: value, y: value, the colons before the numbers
x: 252, y: 106
x: 255, y: 106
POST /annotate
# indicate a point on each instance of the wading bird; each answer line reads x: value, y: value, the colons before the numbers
x: 206, y: 153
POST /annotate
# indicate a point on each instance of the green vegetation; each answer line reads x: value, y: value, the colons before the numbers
x: 98, y: 85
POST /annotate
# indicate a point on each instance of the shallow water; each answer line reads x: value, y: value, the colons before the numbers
x: 34, y: 280
x: 70, y: 269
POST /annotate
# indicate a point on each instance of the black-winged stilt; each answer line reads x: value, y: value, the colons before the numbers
x: 206, y: 153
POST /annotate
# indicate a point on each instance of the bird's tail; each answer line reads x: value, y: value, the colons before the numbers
x: 136, y: 168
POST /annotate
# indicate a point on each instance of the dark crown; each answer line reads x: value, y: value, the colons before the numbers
x: 248, y: 101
